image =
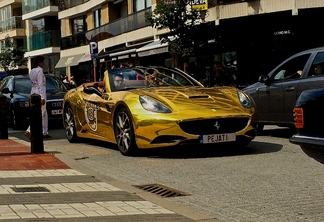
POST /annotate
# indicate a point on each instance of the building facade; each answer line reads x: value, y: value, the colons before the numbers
x: 255, y: 35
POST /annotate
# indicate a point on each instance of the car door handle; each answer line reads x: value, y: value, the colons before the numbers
x: 290, y: 88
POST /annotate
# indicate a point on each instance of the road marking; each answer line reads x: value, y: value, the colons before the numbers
x: 95, y: 209
x: 39, y: 173
x: 61, y: 188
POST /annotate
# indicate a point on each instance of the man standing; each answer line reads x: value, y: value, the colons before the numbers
x: 38, y: 83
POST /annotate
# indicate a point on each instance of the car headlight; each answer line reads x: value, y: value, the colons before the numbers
x: 152, y: 105
x: 244, y: 99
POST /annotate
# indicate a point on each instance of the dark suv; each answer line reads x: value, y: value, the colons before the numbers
x: 309, y: 121
x: 276, y: 93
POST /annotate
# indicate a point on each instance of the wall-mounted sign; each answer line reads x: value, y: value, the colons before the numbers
x: 199, y: 4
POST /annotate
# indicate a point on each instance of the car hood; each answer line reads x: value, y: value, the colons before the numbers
x: 194, y: 98
x: 25, y: 96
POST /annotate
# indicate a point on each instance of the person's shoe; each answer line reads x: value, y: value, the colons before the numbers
x: 47, y: 136
x: 27, y: 134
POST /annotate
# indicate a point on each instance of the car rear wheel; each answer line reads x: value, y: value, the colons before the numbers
x: 69, y: 125
x: 124, y: 132
x: 259, y: 128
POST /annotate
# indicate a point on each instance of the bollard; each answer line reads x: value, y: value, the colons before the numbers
x: 3, y: 117
x: 36, y: 130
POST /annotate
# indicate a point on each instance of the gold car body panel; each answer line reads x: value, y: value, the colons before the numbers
x: 94, y: 114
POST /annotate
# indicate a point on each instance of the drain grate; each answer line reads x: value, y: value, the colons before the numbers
x: 161, y: 190
x: 29, y: 189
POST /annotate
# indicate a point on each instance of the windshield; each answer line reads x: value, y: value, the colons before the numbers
x: 23, y: 85
x: 141, y: 77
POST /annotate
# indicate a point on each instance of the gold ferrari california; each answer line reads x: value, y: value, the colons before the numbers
x: 150, y: 107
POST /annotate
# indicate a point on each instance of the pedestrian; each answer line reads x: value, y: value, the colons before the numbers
x: 72, y: 82
x: 38, y: 83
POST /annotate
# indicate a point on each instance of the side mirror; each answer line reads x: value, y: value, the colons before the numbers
x: 5, y: 91
x: 264, y: 79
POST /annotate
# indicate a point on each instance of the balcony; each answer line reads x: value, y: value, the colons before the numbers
x: 130, y: 23
x: 66, y: 4
x: 32, y: 5
x: 43, y: 40
x: 11, y: 24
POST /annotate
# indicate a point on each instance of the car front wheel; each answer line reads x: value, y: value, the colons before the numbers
x: 69, y: 125
x: 124, y: 132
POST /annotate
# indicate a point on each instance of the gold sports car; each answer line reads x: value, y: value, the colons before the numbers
x: 150, y: 107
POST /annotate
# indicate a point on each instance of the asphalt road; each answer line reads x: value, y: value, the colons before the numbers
x: 270, y: 180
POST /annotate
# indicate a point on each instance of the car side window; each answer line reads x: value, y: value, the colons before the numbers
x: 317, y: 67
x: 292, y: 69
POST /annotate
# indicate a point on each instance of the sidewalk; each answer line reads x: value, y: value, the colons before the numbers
x: 43, y: 187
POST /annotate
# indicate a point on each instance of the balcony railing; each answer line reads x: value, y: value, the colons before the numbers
x: 33, y: 5
x: 11, y: 24
x: 43, y: 40
x: 132, y: 22
x: 66, y: 4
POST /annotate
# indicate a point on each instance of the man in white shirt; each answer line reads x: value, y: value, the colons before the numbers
x: 38, y: 83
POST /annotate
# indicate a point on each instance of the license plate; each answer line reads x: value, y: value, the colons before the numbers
x: 217, y: 138
x: 57, y: 112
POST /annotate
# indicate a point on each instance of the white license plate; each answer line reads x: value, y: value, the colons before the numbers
x: 217, y: 138
x: 57, y: 112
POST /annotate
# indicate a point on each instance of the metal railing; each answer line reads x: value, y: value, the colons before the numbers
x: 43, y: 40
x: 123, y: 25
x: 66, y: 4
x: 33, y: 5
x: 11, y: 24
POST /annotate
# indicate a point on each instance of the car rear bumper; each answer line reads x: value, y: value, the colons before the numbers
x: 312, y: 146
x: 307, y: 140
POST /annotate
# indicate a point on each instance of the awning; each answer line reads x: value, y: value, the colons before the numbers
x: 69, y: 61
x: 85, y: 58
x: 153, y: 48
x: 124, y: 54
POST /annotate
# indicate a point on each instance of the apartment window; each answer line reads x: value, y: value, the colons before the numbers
x: 79, y: 25
x: 97, y: 18
x: 141, y: 4
x: 38, y: 25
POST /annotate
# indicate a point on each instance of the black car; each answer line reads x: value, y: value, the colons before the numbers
x: 276, y: 93
x: 309, y: 121
x: 17, y: 91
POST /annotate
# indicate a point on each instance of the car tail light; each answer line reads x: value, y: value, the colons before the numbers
x: 299, y: 117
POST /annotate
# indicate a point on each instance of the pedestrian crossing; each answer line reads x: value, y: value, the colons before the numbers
x: 25, y: 196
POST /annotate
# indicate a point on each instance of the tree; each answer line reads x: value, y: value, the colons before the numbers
x: 182, y: 21
x: 11, y: 56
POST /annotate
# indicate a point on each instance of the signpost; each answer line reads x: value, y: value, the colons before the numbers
x: 94, y: 56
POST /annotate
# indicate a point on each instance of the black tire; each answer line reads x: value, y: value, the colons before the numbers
x: 124, y: 132
x: 259, y: 129
x: 69, y: 125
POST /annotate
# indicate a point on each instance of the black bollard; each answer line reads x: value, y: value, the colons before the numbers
x: 36, y: 130
x: 3, y: 117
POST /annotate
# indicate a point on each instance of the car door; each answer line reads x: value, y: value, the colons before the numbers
x: 95, y: 115
x: 314, y: 78
x: 276, y: 98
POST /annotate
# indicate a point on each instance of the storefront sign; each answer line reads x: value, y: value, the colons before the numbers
x: 123, y: 57
x: 199, y: 4
x: 283, y: 32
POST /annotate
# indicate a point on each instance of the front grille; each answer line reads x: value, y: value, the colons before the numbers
x: 214, y: 126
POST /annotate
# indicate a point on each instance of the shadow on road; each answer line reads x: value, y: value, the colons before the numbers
x: 281, y: 132
x: 206, y: 151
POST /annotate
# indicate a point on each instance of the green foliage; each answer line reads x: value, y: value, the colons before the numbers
x: 11, y: 57
x: 181, y: 20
